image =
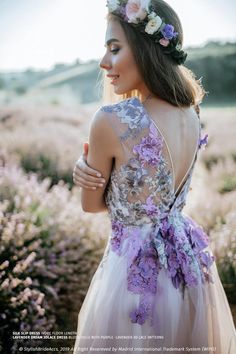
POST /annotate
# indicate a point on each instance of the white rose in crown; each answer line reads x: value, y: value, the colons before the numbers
x: 153, y: 24
x: 113, y: 5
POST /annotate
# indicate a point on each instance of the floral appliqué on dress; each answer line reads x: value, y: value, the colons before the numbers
x: 150, y: 229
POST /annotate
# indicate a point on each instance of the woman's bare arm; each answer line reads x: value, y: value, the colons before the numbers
x: 103, y: 145
x: 85, y: 176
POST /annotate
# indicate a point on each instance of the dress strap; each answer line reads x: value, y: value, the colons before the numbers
x: 197, y: 109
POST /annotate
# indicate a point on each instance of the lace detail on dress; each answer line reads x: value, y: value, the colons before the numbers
x: 145, y: 179
x: 148, y: 227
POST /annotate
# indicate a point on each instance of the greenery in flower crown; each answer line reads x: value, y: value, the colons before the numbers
x: 141, y: 15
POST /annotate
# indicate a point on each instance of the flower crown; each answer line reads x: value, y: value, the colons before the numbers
x: 140, y: 14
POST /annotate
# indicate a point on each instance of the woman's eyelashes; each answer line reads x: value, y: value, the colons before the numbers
x: 114, y: 50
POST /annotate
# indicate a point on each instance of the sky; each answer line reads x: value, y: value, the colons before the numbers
x: 39, y: 33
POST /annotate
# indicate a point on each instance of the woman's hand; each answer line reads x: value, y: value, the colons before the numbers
x: 85, y: 176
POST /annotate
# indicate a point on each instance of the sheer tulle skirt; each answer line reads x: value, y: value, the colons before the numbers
x: 199, y: 318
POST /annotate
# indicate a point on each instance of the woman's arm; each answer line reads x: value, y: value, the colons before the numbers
x: 103, y: 148
x: 83, y: 175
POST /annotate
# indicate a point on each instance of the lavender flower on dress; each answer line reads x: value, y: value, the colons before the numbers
x: 150, y: 148
x: 117, y: 236
x: 199, y: 239
x: 168, y: 32
x: 150, y: 208
x: 134, y: 244
x: 142, y: 274
x: 206, y: 259
x: 139, y: 315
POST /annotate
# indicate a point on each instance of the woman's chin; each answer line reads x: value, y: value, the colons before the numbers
x: 120, y: 91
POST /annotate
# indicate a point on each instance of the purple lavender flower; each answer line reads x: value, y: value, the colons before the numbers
x: 142, y: 274
x: 206, y: 259
x: 117, y: 227
x: 177, y: 279
x: 149, y: 150
x: 138, y: 315
x: 203, y: 141
x: 117, y: 236
x: 191, y: 278
x: 115, y: 244
x: 199, y: 239
x: 134, y: 245
x: 150, y: 208
x: 164, y: 226
x: 168, y: 32
x: 173, y: 262
x: 182, y: 256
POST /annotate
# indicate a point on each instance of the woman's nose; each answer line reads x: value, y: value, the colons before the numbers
x: 105, y: 64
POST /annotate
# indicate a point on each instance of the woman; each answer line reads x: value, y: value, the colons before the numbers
x: 156, y: 287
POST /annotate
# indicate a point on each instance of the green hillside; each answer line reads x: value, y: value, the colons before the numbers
x: 215, y: 63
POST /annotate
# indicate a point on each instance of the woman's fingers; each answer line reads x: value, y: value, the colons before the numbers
x: 85, y: 180
x: 80, y: 174
x: 82, y: 165
x: 85, y: 177
x: 79, y: 183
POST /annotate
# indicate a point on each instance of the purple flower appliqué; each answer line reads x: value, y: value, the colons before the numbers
x: 168, y: 32
x: 199, y: 239
x: 118, y: 235
x: 206, y: 259
x: 142, y: 274
x: 139, y: 315
x: 191, y: 278
x: 134, y: 244
x: 150, y: 208
x: 203, y: 142
x: 149, y: 150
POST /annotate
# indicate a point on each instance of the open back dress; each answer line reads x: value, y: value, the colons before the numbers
x: 157, y: 287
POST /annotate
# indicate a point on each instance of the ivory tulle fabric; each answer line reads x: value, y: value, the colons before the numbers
x: 157, y: 288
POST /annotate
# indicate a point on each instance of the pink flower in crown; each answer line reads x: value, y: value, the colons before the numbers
x: 136, y: 10
x: 164, y: 42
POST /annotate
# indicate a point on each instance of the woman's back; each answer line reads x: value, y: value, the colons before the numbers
x: 148, y: 159
x: 180, y: 129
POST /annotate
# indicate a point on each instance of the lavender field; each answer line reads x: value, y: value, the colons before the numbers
x: 50, y: 248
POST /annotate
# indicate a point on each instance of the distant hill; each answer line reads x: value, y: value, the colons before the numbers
x: 214, y: 62
x: 213, y: 49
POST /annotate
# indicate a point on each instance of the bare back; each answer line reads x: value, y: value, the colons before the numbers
x: 180, y: 129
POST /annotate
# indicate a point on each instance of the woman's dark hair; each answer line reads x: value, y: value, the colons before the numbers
x: 162, y: 75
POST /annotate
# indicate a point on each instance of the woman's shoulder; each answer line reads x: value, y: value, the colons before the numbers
x: 119, y: 111
x: 120, y: 105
